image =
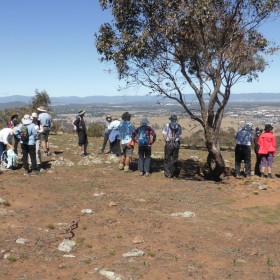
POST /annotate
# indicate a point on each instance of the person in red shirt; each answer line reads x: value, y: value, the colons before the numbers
x: 267, y: 150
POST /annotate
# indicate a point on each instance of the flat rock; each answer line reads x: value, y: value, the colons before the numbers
x: 186, y: 214
x: 110, y: 275
x: 66, y: 245
x: 134, y: 253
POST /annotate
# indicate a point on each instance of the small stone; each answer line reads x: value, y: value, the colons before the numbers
x: 6, y: 256
x: 134, y: 253
x: 69, y: 256
x: 99, y: 194
x: 112, y: 203
x: 263, y: 187
x: 110, y: 275
x: 87, y: 211
x: 2, y: 201
x: 186, y: 214
x: 137, y: 239
x: 66, y: 245
x: 21, y: 241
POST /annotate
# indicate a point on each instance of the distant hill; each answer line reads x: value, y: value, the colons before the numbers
x: 20, y: 100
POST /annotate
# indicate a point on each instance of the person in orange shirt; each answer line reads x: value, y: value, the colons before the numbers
x: 267, y: 150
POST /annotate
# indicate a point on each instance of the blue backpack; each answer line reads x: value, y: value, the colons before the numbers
x: 142, y: 138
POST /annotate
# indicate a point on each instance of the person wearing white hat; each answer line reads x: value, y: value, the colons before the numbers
x: 28, y: 141
x: 46, y: 123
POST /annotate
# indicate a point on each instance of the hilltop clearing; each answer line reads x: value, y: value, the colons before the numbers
x: 182, y: 229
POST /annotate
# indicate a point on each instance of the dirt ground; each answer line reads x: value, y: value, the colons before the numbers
x: 232, y: 231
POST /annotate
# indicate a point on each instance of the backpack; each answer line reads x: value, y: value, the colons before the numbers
x: 142, y: 138
x: 9, y: 159
x: 24, y: 135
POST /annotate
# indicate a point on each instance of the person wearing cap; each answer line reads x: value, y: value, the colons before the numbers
x: 29, y: 147
x: 146, y: 137
x: 46, y: 123
x: 244, y: 138
x: 171, y: 133
x: 258, y: 132
x: 82, y: 132
x: 267, y: 150
x: 126, y: 129
x: 37, y: 124
x: 106, y: 133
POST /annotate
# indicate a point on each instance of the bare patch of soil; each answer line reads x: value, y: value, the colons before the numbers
x: 233, y: 235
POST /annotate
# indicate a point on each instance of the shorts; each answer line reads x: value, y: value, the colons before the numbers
x: 82, y: 136
x: 127, y: 150
x: 267, y: 160
x: 44, y: 135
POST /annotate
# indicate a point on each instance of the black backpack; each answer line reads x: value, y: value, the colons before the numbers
x: 24, y: 135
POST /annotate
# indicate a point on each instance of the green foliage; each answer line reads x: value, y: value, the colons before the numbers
x: 209, y: 45
x: 41, y: 98
x: 95, y: 130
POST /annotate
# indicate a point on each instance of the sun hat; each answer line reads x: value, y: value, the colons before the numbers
x: 144, y: 121
x: 108, y: 116
x: 268, y: 127
x: 81, y: 112
x: 34, y: 115
x: 173, y: 117
x: 14, y: 115
x: 42, y: 109
x: 26, y: 120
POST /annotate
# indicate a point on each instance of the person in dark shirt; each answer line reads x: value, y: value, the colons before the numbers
x: 82, y: 132
x: 146, y: 137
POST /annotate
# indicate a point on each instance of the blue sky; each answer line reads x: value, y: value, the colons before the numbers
x: 49, y: 45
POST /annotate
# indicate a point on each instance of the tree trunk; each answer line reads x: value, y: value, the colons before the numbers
x: 215, y: 162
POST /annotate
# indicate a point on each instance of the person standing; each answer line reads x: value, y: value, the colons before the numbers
x: 267, y: 150
x: 6, y: 139
x: 46, y: 123
x: 11, y: 124
x: 144, y: 133
x: 258, y: 132
x: 126, y: 129
x: 244, y: 138
x: 28, y: 144
x: 106, y: 133
x: 82, y: 132
x: 37, y: 143
x: 114, y: 137
x: 171, y: 133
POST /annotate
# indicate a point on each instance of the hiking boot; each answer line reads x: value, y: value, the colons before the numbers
x: 83, y: 154
x: 47, y: 153
x: 147, y: 174
x: 26, y: 172
x: 269, y: 176
x: 262, y: 175
x: 101, y: 152
x: 121, y: 166
x: 34, y: 173
x: 141, y: 173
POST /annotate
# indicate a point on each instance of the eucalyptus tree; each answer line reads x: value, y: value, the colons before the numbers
x: 169, y: 46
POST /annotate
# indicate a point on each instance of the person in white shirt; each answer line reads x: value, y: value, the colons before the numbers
x: 6, y: 139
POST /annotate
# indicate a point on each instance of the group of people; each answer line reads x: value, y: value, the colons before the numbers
x: 264, y: 147
x: 32, y: 133
x: 122, y: 136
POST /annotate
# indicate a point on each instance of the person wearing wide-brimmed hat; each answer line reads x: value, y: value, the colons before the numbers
x: 28, y: 147
x: 267, y: 150
x: 126, y: 129
x: 79, y: 122
x: 46, y: 124
x: 144, y: 136
x: 106, y: 133
x: 171, y: 134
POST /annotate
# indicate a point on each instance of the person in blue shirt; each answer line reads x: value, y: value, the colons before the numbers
x: 126, y: 129
x: 244, y: 138
x: 28, y: 147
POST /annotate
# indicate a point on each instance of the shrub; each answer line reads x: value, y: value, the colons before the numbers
x: 95, y: 130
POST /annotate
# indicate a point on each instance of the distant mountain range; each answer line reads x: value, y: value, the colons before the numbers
x: 20, y: 100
